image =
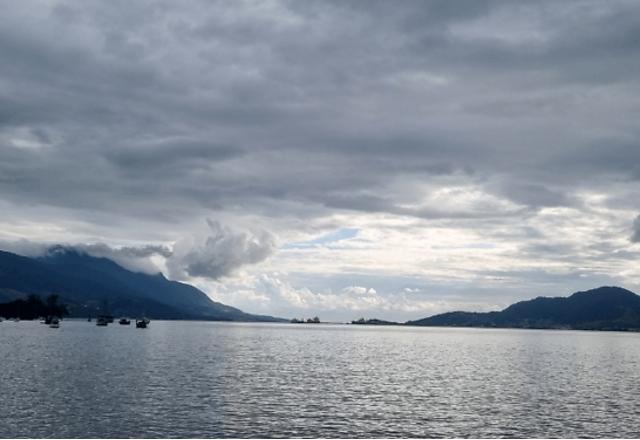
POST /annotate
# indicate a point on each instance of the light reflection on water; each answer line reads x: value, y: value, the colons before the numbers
x: 203, y: 379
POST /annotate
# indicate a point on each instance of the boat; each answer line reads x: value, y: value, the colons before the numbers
x: 142, y: 323
x: 55, y: 323
x: 102, y: 321
x: 124, y: 321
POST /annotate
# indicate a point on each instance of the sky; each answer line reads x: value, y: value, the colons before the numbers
x: 343, y: 159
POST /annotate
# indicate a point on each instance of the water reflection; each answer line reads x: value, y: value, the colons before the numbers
x: 195, y: 379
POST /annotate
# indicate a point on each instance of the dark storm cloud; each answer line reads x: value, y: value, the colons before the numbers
x: 158, y: 110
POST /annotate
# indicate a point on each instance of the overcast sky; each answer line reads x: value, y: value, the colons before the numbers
x: 389, y: 159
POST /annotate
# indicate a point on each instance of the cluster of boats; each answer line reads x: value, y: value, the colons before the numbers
x: 104, y: 320
x: 101, y: 321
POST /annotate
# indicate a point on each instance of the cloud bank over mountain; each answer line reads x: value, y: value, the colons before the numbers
x: 216, y: 254
x: 483, y: 150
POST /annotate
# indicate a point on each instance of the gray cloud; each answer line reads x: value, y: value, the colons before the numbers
x: 24, y: 247
x: 135, y: 258
x: 196, y: 106
x: 220, y: 253
x: 533, y: 195
x: 124, y: 123
x: 635, y: 235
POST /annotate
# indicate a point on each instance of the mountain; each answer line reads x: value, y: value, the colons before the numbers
x: 87, y: 283
x: 604, y: 308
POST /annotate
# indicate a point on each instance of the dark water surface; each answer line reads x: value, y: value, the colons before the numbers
x: 200, y: 379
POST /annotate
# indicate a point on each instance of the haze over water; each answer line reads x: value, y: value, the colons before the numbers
x: 204, y: 379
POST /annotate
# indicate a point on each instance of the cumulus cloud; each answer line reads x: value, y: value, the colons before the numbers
x: 220, y: 252
x: 350, y: 298
x: 275, y: 293
x: 359, y: 290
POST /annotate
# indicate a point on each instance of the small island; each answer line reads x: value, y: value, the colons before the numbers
x: 374, y: 321
x: 314, y: 320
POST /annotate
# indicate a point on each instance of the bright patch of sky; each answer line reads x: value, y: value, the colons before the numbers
x: 329, y: 239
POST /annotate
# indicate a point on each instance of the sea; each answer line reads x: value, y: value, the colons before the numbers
x: 211, y: 379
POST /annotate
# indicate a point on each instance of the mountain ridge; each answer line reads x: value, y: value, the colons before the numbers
x: 602, y: 308
x: 85, y: 283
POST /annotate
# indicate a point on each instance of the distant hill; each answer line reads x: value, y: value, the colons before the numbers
x: 604, y: 308
x: 87, y: 283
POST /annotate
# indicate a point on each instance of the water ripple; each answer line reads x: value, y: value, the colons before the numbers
x: 195, y: 379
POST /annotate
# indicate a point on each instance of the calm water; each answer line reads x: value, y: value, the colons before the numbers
x: 196, y: 379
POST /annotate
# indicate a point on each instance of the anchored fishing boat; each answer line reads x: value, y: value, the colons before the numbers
x: 142, y: 323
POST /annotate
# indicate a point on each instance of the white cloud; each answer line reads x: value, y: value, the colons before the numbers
x: 359, y: 290
x: 274, y: 293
